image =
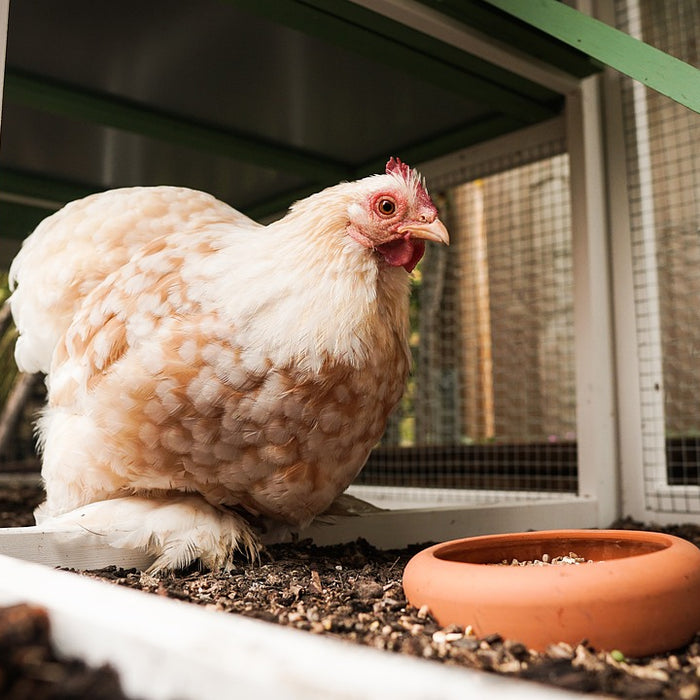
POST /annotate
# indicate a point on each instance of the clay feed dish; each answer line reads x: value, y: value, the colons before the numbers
x: 641, y: 593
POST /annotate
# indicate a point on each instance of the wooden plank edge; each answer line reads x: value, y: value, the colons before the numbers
x: 77, y: 548
x: 165, y: 649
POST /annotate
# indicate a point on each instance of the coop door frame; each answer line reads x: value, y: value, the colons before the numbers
x: 441, y: 513
x: 622, y: 470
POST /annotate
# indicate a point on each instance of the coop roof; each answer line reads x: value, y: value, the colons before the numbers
x: 258, y: 101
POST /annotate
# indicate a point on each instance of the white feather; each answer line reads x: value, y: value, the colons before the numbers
x: 176, y: 530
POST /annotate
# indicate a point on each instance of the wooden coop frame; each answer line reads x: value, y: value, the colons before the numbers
x: 608, y: 420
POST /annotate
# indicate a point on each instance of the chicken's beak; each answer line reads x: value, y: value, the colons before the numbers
x: 433, y: 231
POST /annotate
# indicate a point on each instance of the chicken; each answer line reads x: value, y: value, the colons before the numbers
x: 205, y: 372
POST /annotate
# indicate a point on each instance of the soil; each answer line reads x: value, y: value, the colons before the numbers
x: 18, y: 499
x: 31, y: 670
x: 353, y: 592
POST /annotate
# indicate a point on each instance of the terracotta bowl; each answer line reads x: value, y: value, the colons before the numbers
x: 640, y: 594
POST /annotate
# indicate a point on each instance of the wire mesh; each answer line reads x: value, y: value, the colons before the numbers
x: 663, y: 164
x: 491, y: 402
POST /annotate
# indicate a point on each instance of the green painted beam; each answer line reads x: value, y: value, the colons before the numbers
x: 346, y: 25
x: 41, y: 187
x: 77, y: 103
x: 392, y: 31
x: 434, y: 147
x: 273, y: 206
x: 17, y: 221
x: 448, y: 142
x: 516, y: 34
x: 658, y: 70
x: 38, y: 196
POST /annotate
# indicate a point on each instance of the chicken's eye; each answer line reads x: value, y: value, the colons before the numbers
x: 386, y: 206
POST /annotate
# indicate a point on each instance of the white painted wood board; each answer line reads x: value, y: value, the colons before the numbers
x: 77, y: 548
x: 165, y: 649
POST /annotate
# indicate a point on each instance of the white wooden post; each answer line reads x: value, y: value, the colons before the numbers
x: 640, y: 387
x: 593, y: 326
x: 650, y: 359
x: 629, y: 399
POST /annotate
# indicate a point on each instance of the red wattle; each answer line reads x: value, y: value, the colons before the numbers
x: 404, y: 252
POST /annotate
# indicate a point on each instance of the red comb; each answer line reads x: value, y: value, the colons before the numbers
x: 395, y: 166
x: 410, y: 177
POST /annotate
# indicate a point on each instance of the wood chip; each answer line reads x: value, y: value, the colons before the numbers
x: 363, y: 603
x: 316, y: 581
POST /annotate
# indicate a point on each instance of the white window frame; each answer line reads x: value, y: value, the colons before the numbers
x: 420, y: 515
x: 640, y: 484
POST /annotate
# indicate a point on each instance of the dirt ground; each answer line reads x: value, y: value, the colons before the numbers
x: 30, y: 669
x: 354, y: 592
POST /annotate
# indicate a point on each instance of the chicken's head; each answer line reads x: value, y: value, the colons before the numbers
x: 395, y: 216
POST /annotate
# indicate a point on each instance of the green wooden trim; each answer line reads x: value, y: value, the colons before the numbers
x: 344, y: 24
x: 438, y: 145
x: 666, y: 74
x: 393, y: 31
x: 42, y: 188
x: 449, y: 142
x: 516, y: 34
x: 77, y: 103
x: 278, y: 204
x: 17, y: 221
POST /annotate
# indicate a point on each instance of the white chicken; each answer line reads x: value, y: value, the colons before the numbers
x: 204, y: 370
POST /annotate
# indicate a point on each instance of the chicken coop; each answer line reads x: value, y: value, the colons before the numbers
x: 555, y: 343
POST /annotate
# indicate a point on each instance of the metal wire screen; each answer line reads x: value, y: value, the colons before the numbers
x: 491, y: 402
x: 663, y: 162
